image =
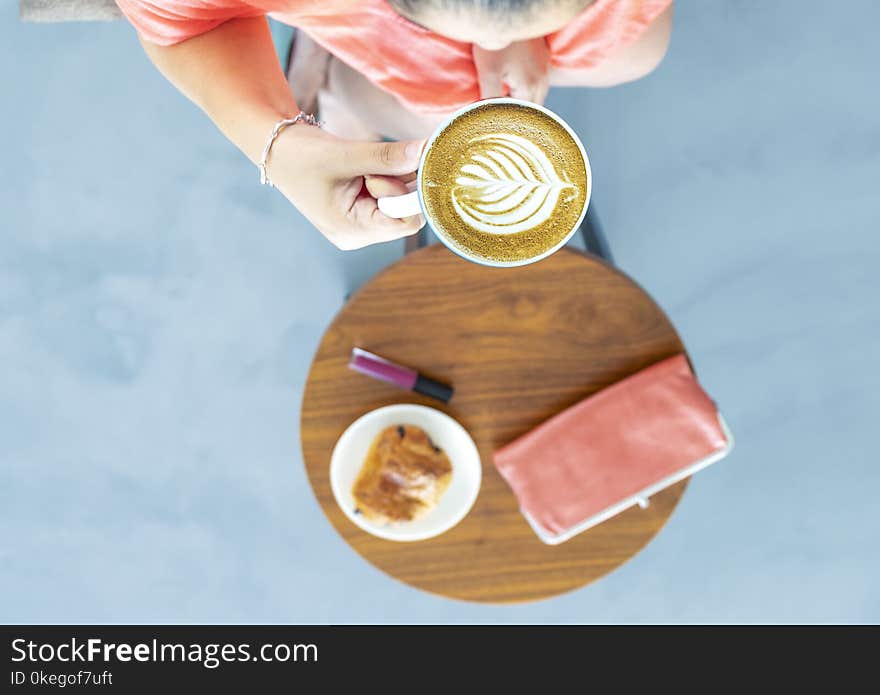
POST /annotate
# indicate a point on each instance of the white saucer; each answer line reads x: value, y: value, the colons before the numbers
x: 353, y: 446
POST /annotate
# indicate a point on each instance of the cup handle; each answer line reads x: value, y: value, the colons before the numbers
x: 398, y: 206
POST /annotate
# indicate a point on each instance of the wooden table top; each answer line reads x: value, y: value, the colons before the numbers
x: 518, y: 345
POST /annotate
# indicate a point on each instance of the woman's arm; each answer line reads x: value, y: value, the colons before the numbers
x: 233, y: 74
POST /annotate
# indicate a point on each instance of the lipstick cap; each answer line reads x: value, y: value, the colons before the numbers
x: 434, y: 389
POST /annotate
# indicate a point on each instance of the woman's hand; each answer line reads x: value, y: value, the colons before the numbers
x: 522, y: 66
x: 335, y: 183
x: 233, y: 74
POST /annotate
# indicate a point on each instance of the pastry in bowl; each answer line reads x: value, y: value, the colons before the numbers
x: 403, y: 477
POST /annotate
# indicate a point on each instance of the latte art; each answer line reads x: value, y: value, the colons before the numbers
x: 507, y: 186
x: 504, y: 182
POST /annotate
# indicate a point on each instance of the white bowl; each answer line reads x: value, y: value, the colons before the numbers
x: 353, y: 446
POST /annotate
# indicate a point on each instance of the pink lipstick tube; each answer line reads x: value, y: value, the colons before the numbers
x: 404, y: 377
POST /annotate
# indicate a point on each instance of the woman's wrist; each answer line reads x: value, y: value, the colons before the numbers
x: 281, y: 126
x: 249, y: 126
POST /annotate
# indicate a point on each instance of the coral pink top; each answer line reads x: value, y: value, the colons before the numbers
x: 428, y: 72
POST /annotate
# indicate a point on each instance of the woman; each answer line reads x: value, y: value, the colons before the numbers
x: 392, y: 68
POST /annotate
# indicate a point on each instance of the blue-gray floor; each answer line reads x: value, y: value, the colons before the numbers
x: 158, y: 312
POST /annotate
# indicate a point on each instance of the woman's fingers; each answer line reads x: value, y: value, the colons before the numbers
x: 389, y: 158
x: 520, y: 69
x: 335, y: 183
x: 489, y: 65
x: 380, y: 186
x: 533, y: 88
x: 542, y: 89
x: 491, y: 85
x: 371, y: 226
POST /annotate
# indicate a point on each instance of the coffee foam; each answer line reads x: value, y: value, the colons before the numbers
x: 504, y: 182
x: 507, y: 185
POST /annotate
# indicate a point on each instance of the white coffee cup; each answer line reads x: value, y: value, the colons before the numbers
x: 411, y: 203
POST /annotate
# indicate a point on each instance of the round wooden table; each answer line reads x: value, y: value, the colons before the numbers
x: 518, y: 345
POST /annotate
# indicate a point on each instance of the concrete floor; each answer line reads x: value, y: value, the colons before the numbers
x: 158, y: 312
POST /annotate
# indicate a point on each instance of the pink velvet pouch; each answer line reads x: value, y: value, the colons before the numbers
x: 614, y: 449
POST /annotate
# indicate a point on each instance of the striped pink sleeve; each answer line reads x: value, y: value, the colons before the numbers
x: 167, y: 22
